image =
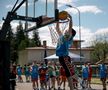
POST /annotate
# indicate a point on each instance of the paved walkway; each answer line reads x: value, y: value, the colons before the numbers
x: 28, y: 86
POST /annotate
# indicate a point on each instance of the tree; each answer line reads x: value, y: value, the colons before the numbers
x: 11, y: 38
x: 100, y: 49
x: 20, y: 33
x: 22, y: 45
x: 36, y: 39
x: 22, y: 40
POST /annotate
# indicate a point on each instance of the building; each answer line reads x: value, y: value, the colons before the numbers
x: 38, y: 53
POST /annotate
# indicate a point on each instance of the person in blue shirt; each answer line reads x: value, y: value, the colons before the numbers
x: 64, y: 42
x: 34, y: 75
x: 85, y: 75
x: 103, y: 74
x: 27, y: 72
x: 19, y: 73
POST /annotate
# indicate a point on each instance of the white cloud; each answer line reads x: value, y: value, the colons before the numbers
x: 90, y: 8
x: 64, y: 1
x: 59, y: 1
x: 84, y: 9
x: 9, y: 6
x: 24, y: 5
x: 1, y: 23
x: 86, y: 35
x: 44, y: 34
x: 14, y: 25
x: 102, y: 31
x: 89, y: 36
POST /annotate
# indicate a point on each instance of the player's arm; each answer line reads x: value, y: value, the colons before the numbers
x: 71, y: 31
x: 58, y: 29
x: 70, y: 24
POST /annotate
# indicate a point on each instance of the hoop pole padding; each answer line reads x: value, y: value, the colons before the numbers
x: 56, y: 15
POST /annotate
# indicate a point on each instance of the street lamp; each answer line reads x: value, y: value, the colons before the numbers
x: 79, y: 25
x: 34, y: 1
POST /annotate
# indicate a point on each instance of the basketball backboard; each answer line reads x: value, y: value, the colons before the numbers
x: 46, y: 11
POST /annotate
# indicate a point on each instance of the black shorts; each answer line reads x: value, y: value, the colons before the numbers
x: 103, y: 79
x: 62, y: 62
x: 52, y: 76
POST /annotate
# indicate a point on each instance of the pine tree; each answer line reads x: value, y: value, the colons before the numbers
x: 22, y: 40
x: 36, y: 38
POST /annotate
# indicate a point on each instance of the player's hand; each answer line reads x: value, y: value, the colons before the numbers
x: 69, y: 16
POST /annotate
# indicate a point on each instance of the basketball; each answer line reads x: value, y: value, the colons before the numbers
x: 63, y: 15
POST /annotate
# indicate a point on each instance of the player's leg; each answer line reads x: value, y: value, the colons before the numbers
x: 68, y: 74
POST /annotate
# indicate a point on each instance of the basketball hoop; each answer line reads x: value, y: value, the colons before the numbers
x: 64, y: 20
x: 63, y: 26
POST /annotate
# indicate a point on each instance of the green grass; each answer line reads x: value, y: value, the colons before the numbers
x: 96, y: 81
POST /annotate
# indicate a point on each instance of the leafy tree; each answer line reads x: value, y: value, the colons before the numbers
x: 22, y: 45
x: 36, y: 40
x: 100, y: 49
x: 11, y: 38
x: 32, y: 43
x: 22, y: 40
x: 20, y: 34
x: 19, y: 41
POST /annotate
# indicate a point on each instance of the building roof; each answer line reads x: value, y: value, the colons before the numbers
x: 48, y: 47
x: 40, y: 48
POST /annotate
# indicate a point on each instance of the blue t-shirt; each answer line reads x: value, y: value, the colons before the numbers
x: 34, y: 72
x: 19, y: 71
x: 27, y: 70
x: 103, y: 70
x: 85, y: 72
x: 63, y: 46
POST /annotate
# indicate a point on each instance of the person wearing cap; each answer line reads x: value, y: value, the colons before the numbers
x: 62, y: 50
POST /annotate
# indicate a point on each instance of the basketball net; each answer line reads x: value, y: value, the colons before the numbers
x: 54, y: 35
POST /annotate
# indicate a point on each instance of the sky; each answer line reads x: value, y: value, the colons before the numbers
x: 93, y: 17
